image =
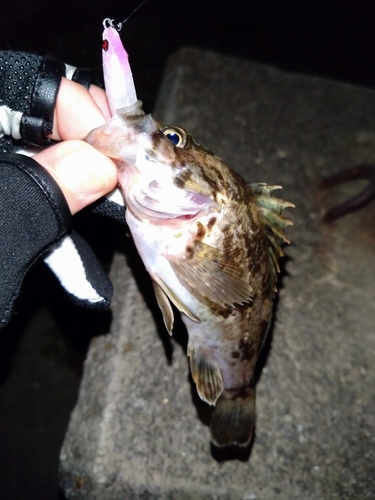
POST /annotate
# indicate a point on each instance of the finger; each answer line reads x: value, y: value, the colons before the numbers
x: 76, y: 112
x: 100, y: 98
x: 83, y: 174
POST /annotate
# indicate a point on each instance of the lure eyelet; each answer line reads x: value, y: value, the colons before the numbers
x: 176, y: 135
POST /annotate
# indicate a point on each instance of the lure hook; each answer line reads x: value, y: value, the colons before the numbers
x: 108, y: 23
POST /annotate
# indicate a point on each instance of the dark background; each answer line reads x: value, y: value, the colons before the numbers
x: 335, y: 39
x: 42, y: 351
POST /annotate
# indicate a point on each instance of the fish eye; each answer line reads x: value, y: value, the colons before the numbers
x: 173, y: 137
x: 176, y: 135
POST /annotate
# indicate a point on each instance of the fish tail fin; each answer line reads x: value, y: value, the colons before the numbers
x: 233, y: 420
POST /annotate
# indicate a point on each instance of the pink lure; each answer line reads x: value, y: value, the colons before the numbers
x: 118, y: 78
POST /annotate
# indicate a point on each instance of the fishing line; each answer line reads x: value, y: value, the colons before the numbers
x: 118, y: 26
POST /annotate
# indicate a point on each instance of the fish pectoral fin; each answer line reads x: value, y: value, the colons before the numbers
x: 210, y: 273
x: 206, y: 375
x: 163, y: 293
x: 165, y: 306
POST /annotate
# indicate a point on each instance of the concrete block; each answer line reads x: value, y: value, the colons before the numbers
x: 137, y: 431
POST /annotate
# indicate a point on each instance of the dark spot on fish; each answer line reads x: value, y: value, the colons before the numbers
x: 264, y: 325
x: 268, y: 230
x: 227, y: 235
x: 230, y: 249
x: 247, y: 349
x: 243, y: 393
x: 189, y: 252
x: 133, y: 120
x: 183, y: 177
x: 219, y: 174
x: 186, y: 174
x: 178, y: 165
x: 211, y: 223
x: 160, y: 145
x: 209, y: 181
x: 178, y: 182
x: 236, y: 354
x: 224, y: 311
x: 248, y: 243
x: 234, y: 252
x: 200, y: 230
x: 240, y: 392
x: 266, y: 289
x: 255, y: 268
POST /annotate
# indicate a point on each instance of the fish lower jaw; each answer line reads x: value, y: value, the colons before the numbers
x: 162, y: 218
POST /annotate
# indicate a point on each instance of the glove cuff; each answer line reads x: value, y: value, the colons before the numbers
x: 38, y: 123
x: 46, y: 183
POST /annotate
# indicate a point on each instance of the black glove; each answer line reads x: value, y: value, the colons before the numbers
x: 33, y: 214
x: 28, y: 90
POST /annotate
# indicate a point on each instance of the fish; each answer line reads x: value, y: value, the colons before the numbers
x: 210, y: 242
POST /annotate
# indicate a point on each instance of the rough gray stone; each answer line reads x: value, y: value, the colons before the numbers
x: 135, y: 432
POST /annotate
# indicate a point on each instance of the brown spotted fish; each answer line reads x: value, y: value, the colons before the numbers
x: 211, y: 244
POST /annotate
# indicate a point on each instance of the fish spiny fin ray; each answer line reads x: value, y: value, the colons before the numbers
x: 165, y: 306
x: 270, y: 209
x: 162, y: 292
x: 210, y: 274
x: 206, y: 375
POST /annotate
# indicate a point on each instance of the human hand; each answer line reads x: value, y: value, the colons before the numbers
x: 83, y: 174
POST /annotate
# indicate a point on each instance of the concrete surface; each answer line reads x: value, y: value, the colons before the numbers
x: 137, y: 431
x: 41, y: 358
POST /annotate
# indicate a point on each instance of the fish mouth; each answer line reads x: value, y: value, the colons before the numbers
x: 165, y: 218
x: 167, y: 209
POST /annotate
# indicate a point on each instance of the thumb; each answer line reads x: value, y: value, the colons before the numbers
x: 83, y: 174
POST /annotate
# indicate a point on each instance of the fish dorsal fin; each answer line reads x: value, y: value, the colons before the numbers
x: 209, y: 273
x: 206, y: 375
x: 270, y: 209
x: 163, y: 293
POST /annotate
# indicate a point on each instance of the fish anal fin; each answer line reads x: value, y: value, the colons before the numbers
x: 233, y: 420
x: 206, y: 375
x: 165, y: 306
x: 209, y: 272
